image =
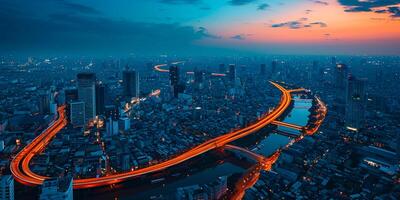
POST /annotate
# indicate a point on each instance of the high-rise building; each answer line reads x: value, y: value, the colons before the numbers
x: 355, y: 103
x: 71, y: 94
x: 6, y: 187
x: 274, y: 69
x: 57, y: 188
x: 77, y: 113
x: 111, y: 111
x: 44, y: 102
x: 263, y: 69
x: 87, y: 94
x: 131, y: 83
x: 341, y: 75
x: 112, y: 127
x: 174, y: 75
x: 232, y: 72
x: 100, y: 98
x: 198, y: 78
x: 174, y: 79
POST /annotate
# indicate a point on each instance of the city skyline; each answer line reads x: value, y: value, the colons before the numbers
x: 199, y: 99
x: 200, y: 27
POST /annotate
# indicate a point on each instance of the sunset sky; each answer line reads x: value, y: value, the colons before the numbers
x: 201, y: 26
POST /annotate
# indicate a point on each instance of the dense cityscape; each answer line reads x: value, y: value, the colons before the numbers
x: 199, y: 100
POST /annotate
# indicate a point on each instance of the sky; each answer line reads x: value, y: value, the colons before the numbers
x: 200, y: 27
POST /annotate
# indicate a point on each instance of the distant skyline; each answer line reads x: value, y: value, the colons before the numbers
x: 200, y: 27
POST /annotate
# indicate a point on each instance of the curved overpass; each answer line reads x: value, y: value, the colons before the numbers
x: 22, y: 173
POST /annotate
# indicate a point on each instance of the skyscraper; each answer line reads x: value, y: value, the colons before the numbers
x: 44, y: 102
x: 131, y: 83
x: 198, y: 78
x: 71, y: 94
x: 6, y: 187
x: 274, y: 65
x: 355, y: 103
x: 87, y: 94
x: 341, y: 75
x: 174, y: 75
x: 232, y: 72
x: 174, y: 79
x: 77, y: 113
x: 100, y: 98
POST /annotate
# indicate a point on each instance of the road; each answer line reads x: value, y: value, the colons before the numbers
x: 22, y: 173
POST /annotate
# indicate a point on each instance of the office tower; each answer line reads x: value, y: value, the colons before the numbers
x: 174, y: 79
x: 71, y: 94
x: 174, y: 75
x: 222, y: 69
x: 124, y: 124
x: 77, y: 113
x: 232, y: 73
x: 274, y: 65
x: 355, y: 103
x: 263, y: 69
x: 112, y: 127
x: 341, y: 75
x: 100, y: 98
x: 198, y: 79
x: 131, y: 83
x: 44, y: 102
x: 57, y: 188
x: 6, y: 187
x: 111, y: 111
x: 87, y: 94
x: 198, y: 76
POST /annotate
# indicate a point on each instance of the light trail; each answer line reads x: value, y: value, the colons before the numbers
x: 160, y: 69
x: 22, y: 173
x: 251, y: 176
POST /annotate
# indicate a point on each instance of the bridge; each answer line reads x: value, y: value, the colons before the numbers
x: 22, y: 173
x: 288, y: 125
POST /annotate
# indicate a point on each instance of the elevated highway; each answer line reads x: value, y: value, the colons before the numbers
x: 22, y: 173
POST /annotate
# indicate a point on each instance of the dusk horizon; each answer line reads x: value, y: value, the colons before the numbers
x: 199, y: 99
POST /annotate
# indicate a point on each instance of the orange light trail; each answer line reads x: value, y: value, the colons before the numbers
x: 22, y: 173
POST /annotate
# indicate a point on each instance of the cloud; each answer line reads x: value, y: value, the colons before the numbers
x: 393, y: 10
x: 241, y: 2
x: 377, y: 6
x: 263, y: 6
x: 76, y: 33
x: 203, y: 33
x: 297, y: 24
x: 320, y: 2
x: 239, y: 37
x: 321, y: 24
